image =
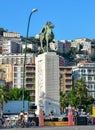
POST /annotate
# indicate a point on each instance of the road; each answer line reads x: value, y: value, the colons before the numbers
x: 88, y: 127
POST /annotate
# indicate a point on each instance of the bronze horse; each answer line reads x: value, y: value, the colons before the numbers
x: 46, y: 36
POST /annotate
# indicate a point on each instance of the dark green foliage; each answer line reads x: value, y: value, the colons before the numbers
x: 76, y: 97
x: 68, y: 55
x: 81, y: 90
x: 28, y: 50
x: 4, y: 95
x: 2, y: 30
x: 16, y: 94
x: 33, y: 40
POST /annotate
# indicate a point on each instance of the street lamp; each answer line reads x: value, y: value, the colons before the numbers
x: 34, y: 10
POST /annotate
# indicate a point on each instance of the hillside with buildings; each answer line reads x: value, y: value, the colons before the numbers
x: 76, y: 59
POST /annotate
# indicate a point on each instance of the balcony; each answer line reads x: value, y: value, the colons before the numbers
x: 30, y: 76
x: 68, y: 77
x: 30, y: 70
x: 68, y: 83
x: 87, y: 73
x: 68, y: 89
x: 29, y: 82
x: 30, y: 88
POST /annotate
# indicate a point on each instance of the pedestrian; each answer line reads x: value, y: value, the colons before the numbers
x: 22, y: 118
x: 26, y: 116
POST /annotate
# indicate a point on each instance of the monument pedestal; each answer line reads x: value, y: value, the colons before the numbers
x: 47, y: 83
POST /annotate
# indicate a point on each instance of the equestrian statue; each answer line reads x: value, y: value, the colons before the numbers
x: 46, y: 36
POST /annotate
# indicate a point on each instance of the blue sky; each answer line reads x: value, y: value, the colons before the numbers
x: 72, y: 18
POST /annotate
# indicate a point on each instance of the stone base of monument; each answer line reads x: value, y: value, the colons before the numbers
x: 47, y: 83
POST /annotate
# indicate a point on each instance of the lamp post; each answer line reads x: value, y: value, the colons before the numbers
x: 34, y: 10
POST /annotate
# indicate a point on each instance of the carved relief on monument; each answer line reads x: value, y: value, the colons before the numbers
x: 40, y: 78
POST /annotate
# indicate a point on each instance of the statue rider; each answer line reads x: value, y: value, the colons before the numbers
x: 46, y: 36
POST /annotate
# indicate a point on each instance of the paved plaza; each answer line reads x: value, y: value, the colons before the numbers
x: 88, y: 127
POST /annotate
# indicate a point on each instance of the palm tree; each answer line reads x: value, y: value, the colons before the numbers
x: 63, y: 101
x: 81, y: 90
x: 76, y: 97
x: 71, y: 98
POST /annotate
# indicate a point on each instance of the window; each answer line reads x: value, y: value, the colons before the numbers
x: 89, y: 78
x: 21, y: 69
x: 15, y: 74
x: 21, y: 74
x: 84, y: 78
x: 15, y: 68
x: 89, y: 70
x: 82, y: 70
x: 15, y: 81
x: 21, y: 81
x: 90, y: 87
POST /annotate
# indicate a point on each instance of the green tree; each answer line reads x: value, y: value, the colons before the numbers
x: 71, y: 98
x: 81, y: 91
x: 28, y: 50
x: 2, y: 30
x: 73, y: 53
x: 16, y: 94
x: 62, y: 102
x: 33, y: 40
x: 4, y: 96
x: 76, y: 97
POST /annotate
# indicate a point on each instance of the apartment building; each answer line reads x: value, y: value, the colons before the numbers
x: 56, y: 46
x: 11, y: 34
x: 61, y: 46
x: 2, y: 75
x: 66, y: 82
x: 66, y: 45
x: 9, y: 75
x: 30, y: 45
x: 68, y: 75
x: 85, y: 43
x: 17, y: 76
x: 92, y: 50
x: 87, y: 72
x: 17, y: 58
x: 9, y: 47
x: 0, y: 49
x: 61, y: 61
x: 12, y: 75
x: 29, y: 79
x: 81, y: 40
x: 14, y: 71
x: 1, y: 42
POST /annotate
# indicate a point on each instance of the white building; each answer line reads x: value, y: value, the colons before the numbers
x: 17, y: 58
x: 87, y: 72
x: 10, y: 46
x: 29, y: 45
x: 11, y: 34
x: 17, y: 76
x: 56, y: 46
x: 47, y: 83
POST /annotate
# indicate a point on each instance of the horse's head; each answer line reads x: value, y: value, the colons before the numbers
x: 50, y: 25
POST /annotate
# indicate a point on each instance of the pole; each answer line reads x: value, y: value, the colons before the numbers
x: 34, y: 10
